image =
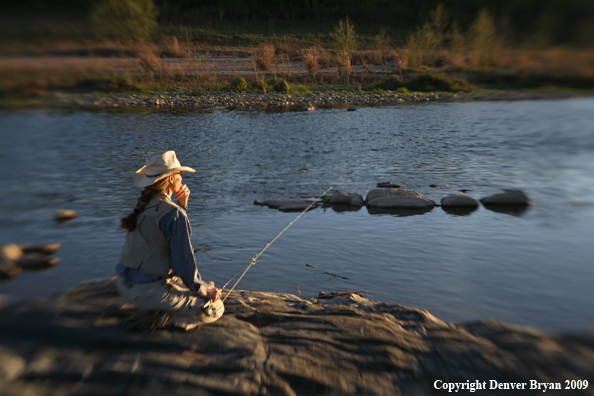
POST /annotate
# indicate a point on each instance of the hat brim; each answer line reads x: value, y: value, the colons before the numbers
x: 142, y: 180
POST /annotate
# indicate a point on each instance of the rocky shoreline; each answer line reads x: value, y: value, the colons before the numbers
x: 272, y: 100
x: 275, y: 344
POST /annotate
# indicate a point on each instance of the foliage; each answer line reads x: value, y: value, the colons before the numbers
x: 345, y: 37
x: 483, y: 37
x: 130, y: 19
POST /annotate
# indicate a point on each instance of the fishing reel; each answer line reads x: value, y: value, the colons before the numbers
x: 208, y: 309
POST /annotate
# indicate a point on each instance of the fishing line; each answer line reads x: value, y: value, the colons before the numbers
x: 246, y: 267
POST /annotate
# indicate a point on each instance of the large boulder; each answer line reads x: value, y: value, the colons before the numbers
x: 459, y: 200
x: 390, y: 192
x: 346, y: 198
x: 401, y: 203
x: 270, y: 344
x: 508, y: 197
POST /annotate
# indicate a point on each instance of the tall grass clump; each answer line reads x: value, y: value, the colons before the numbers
x: 134, y: 20
x: 263, y: 55
x: 425, y: 40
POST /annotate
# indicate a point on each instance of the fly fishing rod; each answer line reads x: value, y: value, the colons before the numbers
x: 246, y: 267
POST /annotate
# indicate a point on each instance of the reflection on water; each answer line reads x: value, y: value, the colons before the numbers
x: 532, y: 267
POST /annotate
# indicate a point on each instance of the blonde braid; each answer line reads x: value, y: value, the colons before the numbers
x: 129, y: 222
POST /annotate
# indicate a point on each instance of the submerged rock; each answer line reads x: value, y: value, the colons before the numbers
x: 37, y: 261
x: 388, y: 185
x: 459, y: 200
x: 346, y: 198
x: 508, y: 197
x: 390, y: 192
x: 273, y: 344
x: 403, y: 202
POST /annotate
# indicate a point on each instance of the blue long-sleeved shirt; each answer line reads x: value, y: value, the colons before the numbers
x: 177, y: 232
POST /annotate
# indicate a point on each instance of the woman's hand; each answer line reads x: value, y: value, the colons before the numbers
x: 213, y: 294
x: 182, y: 195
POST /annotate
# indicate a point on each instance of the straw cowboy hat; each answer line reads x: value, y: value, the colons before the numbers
x: 158, y: 166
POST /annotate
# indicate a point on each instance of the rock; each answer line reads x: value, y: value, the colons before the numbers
x: 282, y: 86
x: 508, y: 197
x: 259, y: 202
x: 288, y: 205
x: 459, y: 200
x: 351, y: 109
x: 11, y: 366
x: 390, y: 192
x: 47, y: 249
x: 270, y: 343
x: 346, y: 198
x: 388, y: 185
x: 405, y: 202
x: 63, y: 215
x: 296, y: 207
x: 36, y: 261
x: 434, y: 185
x: 11, y: 251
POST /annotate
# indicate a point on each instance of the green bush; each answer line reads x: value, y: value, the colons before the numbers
x: 435, y: 82
x: 129, y: 19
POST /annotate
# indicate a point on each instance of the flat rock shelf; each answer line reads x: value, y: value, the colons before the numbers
x: 271, y: 344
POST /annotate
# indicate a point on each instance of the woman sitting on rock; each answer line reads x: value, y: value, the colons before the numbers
x: 157, y: 268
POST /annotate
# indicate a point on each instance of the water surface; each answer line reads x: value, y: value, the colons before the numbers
x: 532, y: 268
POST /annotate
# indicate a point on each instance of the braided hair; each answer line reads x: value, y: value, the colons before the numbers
x: 158, y: 187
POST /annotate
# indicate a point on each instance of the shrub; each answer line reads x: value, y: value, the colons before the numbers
x: 325, y: 59
x: 345, y: 37
x: 147, y: 60
x: 311, y: 57
x: 171, y: 48
x: 483, y: 38
x: 345, y: 41
x: 238, y: 84
x: 426, y: 39
x: 434, y: 82
x: 290, y: 50
x: 130, y: 19
x: 263, y: 55
x: 367, y: 57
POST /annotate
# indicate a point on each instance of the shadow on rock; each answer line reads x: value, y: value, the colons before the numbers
x: 514, y: 210
x: 400, y: 212
x: 459, y: 211
x: 345, y: 208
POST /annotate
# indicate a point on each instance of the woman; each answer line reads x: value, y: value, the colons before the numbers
x: 157, y: 268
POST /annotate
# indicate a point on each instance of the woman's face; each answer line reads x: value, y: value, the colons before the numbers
x: 176, y: 183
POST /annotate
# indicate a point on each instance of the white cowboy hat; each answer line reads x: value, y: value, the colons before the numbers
x: 158, y: 166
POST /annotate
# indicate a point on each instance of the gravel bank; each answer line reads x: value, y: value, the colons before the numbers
x: 270, y: 100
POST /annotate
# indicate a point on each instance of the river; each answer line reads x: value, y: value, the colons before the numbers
x: 533, y: 268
